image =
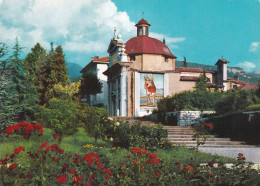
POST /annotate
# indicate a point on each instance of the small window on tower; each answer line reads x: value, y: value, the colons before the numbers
x: 144, y: 30
x: 132, y: 58
x: 166, y: 59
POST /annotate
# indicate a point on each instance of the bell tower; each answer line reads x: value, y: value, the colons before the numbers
x: 142, y: 28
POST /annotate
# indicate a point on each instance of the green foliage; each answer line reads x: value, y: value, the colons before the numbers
x: 236, y: 101
x: 201, y: 83
x: 237, y: 127
x: 18, y: 97
x: 185, y: 64
x: 61, y: 115
x: 255, y: 107
x: 137, y: 135
x: 190, y: 100
x: 90, y: 85
x: 31, y: 63
x: 95, y: 122
x: 50, y: 70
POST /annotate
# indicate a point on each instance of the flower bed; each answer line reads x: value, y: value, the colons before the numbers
x: 49, y: 164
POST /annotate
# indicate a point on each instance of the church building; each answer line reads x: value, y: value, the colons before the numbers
x: 142, y: 71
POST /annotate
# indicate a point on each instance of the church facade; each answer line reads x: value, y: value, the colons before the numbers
x: 142, y: 71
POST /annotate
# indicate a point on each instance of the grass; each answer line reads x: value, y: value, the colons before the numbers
x: 80, y: 142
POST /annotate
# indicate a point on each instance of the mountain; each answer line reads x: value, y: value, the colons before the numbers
x: 250, y: 77
x: 74, y: 71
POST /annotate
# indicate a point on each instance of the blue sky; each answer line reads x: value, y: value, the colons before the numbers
x: 200, y: 30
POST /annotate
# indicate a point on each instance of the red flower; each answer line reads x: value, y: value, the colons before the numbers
x: 54, y: 146
x: 27, y: 135
x: 77, y: 180
x: 55, y: 136
x: 29, y: 176
x: 99, y: 165
x: 44, y: 145
x: 55, y: 159
x: 156, y: 161
x: 64, y: 168
x: 59, y: 150
x: 107, y: 177
x: 123, y: 165
x: 107, y: 171
x: 92, y: 178
x: 157, y: 173
x: 22, y: 175
x: 134, y: 162
x: 142, y: 170
x: 72, y: 171
x: 62, y: 179
x: 9, y: 130
x: 89, y: 159
x: 16, y: 127
x: 12, y: 166
x: 17, y: 150
x: 240, y: 154
x: 29, y: 128
x: 12, y: 156
x: 21, y: 148
x: 177, y: 163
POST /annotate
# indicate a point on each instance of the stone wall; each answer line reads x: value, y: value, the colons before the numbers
x: 185, y: 118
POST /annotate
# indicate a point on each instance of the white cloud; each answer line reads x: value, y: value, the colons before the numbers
x: 254, y: 46
x: 170, y: 41
x: 80, y: 26
x: 247, y: 65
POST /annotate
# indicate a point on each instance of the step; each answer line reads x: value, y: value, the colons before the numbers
x: 194, y: 139
x: 210, y: 142
x: 187, y: 136
x: 181, y: 133
x: 217, y: 146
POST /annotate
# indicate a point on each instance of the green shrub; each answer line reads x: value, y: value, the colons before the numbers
x: 95, y: 122
x: 190, y: 100
x: 61, y: 115
x: 236, y: 101
x: 237, y: 127
x: 255, y: 107
x: 137, y: 135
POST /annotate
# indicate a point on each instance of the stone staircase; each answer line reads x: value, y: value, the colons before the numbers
x: 184, y: 135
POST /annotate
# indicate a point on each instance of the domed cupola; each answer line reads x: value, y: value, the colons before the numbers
x: 142, y: 28
x: 143, y: 44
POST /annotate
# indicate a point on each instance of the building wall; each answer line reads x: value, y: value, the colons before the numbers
x: 152, y: 62
x: 157, y: 62
x: 177, y: 86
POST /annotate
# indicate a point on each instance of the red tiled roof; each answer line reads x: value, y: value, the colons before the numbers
x: 147, y: 45
x: 247, y: 86
x: 244, y: 85
x: 197, y: 70
x: 142, y: 21
x: 235, y: 81
x: 189, y: 78
x: 222, y: 60
x: 96, y: 59
x: 105, y: 59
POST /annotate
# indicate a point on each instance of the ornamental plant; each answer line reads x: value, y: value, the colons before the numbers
x: 50, y: 165
x: 200, y: 132
x: 141, y: 168
x: 25, y: 129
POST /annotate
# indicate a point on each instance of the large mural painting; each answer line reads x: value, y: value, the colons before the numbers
x: 151, y: 89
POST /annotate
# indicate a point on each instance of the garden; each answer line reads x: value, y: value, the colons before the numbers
x: 49, y: 137
x: 34, y: 155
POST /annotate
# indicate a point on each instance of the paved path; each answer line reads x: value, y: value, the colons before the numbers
x: 251, y: 154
